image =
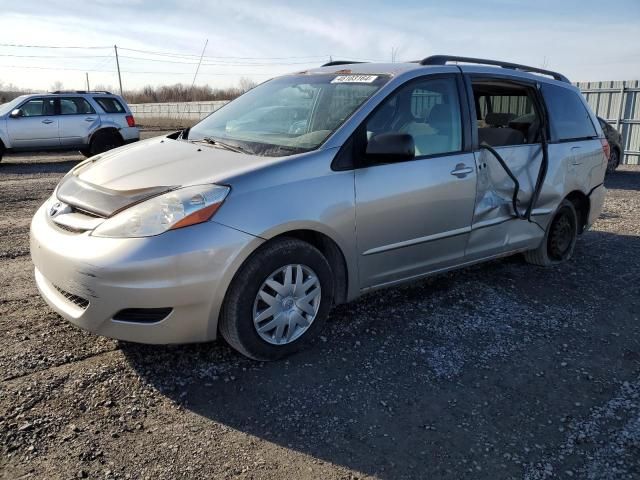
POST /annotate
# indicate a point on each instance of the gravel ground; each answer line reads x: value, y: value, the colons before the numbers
x: 497, y: 371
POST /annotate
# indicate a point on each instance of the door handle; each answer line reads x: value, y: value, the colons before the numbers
x: 47, y: 121
x: 89, y: 119
x: 461, y: 170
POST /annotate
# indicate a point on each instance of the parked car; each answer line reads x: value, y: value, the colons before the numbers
x: 92, y: 122
x: 401, y: 171
x: 614, y: 137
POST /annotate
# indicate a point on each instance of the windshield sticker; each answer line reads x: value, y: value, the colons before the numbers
x: 354, y: 79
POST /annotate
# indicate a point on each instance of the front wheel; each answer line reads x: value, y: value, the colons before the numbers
x: 278, y: 301
x: 559, y: 239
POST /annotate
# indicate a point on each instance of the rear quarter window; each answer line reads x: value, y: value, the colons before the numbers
x: 569, y: 117
x: 110, y: 105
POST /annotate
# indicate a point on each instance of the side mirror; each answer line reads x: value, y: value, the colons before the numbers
x: 391, y: 147
x: 15, y: 113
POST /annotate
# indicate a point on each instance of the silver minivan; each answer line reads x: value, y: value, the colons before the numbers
x: 370, y: 175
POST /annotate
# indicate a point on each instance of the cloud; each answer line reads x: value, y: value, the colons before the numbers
x: 573, y: 40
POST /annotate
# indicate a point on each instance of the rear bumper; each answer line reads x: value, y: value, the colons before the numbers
x: 187, y: 270
x: 130, y: 134
x: 596, y: 203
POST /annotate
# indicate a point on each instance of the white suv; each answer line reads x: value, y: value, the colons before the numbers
x: 92, y: 122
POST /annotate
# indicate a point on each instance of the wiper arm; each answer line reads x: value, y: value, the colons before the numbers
x: 227, y: 146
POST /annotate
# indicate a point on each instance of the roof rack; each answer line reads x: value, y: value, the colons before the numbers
x: 339, y: 62
x: 57, y: 92
x: 443, y: 59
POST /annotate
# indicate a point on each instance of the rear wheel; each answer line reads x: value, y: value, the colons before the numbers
x: 102, y: 142
x: 559, y: 239
x: 278, y: 300
x: 614, y: 161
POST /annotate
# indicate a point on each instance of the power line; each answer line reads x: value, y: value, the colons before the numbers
x: 154, y: 52
x: 65, y: 57
x: 52, y: 56
x: 184, y: 55
x: 49, y: 46
x: 134, y: 72
x: 218, y: 64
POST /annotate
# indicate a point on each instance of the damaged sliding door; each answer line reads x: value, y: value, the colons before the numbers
x: 507, y: 119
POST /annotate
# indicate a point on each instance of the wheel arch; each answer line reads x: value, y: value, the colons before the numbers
x: 3, y: 141
x: 103, y: 130
x: 582, y: 205
x: 331, y: 251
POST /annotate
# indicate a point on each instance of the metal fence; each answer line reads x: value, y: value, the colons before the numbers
x: 619, y: 104
x: 175, y: 111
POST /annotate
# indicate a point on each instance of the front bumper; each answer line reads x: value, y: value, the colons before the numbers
x: 187, y: 270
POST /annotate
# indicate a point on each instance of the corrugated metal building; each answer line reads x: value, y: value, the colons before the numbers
x: 618, y: 103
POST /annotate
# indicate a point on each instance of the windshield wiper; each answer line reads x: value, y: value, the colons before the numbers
x: 226, y: 146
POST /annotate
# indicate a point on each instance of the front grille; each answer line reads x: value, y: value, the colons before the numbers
x: 75, y: 220
x: 72, y: 298
x: 67, y: 228
x: 142, y: 315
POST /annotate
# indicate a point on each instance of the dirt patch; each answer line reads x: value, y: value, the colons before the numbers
x: 501, y: 370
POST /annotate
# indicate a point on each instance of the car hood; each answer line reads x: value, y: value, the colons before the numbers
x: 108, y: 183
x: 163, y: 161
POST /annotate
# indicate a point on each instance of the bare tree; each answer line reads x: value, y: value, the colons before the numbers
x: 56, y: 86
x: 246, y: 84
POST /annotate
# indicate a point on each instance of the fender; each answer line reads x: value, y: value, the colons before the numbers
x: 100, y: 125
x: 4, y: 138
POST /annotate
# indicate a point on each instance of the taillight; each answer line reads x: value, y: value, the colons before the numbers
x: 131, y: 121
x: 606, y: 148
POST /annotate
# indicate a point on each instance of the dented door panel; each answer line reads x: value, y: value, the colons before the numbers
x: 495, y: 229
x: 573, y: 166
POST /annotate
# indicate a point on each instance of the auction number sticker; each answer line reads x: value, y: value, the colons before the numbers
x: 354, y: 79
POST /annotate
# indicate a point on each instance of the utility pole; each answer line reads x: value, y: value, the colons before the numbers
x: 87, y: 75
x: 394, y: 54
x: 115, y: 48
x: 198, y: 67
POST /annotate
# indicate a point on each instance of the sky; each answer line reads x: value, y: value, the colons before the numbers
x: 160, y: 42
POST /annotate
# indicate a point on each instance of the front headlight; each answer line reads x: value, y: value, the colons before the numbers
x: 176, y: 209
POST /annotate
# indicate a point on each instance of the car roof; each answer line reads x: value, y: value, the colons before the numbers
x: 396, y: 69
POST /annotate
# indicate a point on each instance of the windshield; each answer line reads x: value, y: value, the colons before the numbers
x: 289, y: 114
x: 7, y: 107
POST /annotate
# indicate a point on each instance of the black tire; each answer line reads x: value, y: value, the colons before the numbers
x: 86, y: 152
x: 236, y: 318
x: 104, y: 141
x: 614, y: 161
x: 559, y: 240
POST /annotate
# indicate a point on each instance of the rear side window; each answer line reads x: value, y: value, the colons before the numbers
x: 110, y: 104
x: 75, y: 106
x: 569, y: 118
